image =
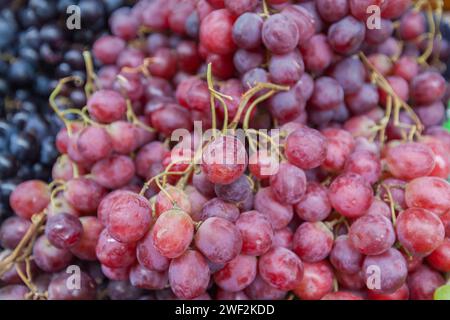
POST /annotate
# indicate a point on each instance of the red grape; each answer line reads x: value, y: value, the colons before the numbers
x: 423, y: 283
x: 107, y: 106
x: 280, y: 34
x: 256, y: 231
x: 317, y: 281
x: 288, y: 185
x: 85, y: 248
x: 278, y: 214
x: 63, y: 230
x: 148, y: 255
x: 113, y: 253
x: 344, y: 257
x: 30, y: 197
x: 237, y: 274
x: 312, y: 241
x: 430, y: 193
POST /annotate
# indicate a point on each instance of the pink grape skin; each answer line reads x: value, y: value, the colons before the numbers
x: 224, y: 160
x: 237, y: 274
x: 172, y: 233
x: 259, y: 289
x: 344, y: 257
x: 130, y: 217
x: 312, y: 241
x: 286, y: 68
x: 263, y: 164
x: 340, y: 146
x: 113, y: 172
x: 428, y: 87
x: 169, y: 118
x: 400, y: 294
x: 221, y: 209
x: 124, y: 137
x: 372, y: 234
x: 306, y: 148
x: 431, y: 115
x: 256, y: 231
x: 364, y: 100
x: 94, y: 143
x: 392, y: 267
x: 246, y: 60
x: 163, y: 203
x: 122, y: 290
x: 247, y: 30
x: 283, y: 238
x: 366, y: 164
x: 395, y: 8
x: 107, y: 48
x: 397, y: 189
x: 358, y: 8
x: 116, y: 274
x: 286, y: 105
x: 380, y: 207
x: 280, y: 34
x: 439, y: 259
x: 431, y: 193
x: 350, y: 195
x: 304, y: 87
x: 303, y: 19
x: 315, y: 205
x: 203, y: 185
x: 346, y: 35
x: 148, y: 256
x: 332, y: 11
x: 317, y: 53
x: 12, y: 231
x: 107, y: 106
x: 197, y: 201
x: 85, y: 248
x: 406, y: 67
x: 84, y: 194
x: 328, y: 94
x: 423, y: 282
x: 113, y: 253
x: 63, y: 230
x: 59, y: 290
x: 235, y: 192
x: 353, y: 281
x: 412, y: 25
x: 288, y: 185
x: 278, y: 214
x: 13, y: 292
x: 219, y: 240
x: 216, y: 32
x: 225, y: 295
x: 150, y: 157
x: 189, y: 275
x: 30, y: 197
x: 143, y: 278
x: 317, y: 281
x: 48, y: 257
x: 445, y: 218
x: 350, y: 74
x: 281, y: 268
x: 377, y: 36
x: 341, y: 295
x: 63, y: 168
x: 419, y: 231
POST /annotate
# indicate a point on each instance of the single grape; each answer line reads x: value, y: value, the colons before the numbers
x: 129, y: 218
x: 317, y: 53
x: 350, y: 195
x: 350, y: 74
x: 391, y: 269
x: 59, y: 289
x: 113, y: 253
x: 173, y: 233
x: 439, y: 259
x: 237, y: 274
x: 332, y: 11
x: 143, y: 278
x: 427, y: 87
x: 399, y: 294
x: 344, y: 257
x: 84, y: 194
x: 312, y: 241
x: 48, y: 257
x: 278, y: 214
x: 216, y: 32
x: 263, y: 164
x: 281, y: 268
x: 63, y: 230
x: 178, y: 199
x: 107, y: 106
x: 94, y: 144
x: 116, y: 274
x: 256, y: 231
x: 419, y: 231
x: 328, y: 94
x: 423, y: 283
x: 429, y: 193
x: 372, y: 234
x: 218, y: 239
x: 235, y: 192
x: 148, y: 256
x: 317, y: 281
x: 113, y: 172
x: 286, y: 68
x: 280, y: 34
x: 346, y: 36
x: 30, y: 197
x: 85, y: 248
x: 247, y: 30
x: 189, y: 275
x: 306, y: 148
x: 12, y: 231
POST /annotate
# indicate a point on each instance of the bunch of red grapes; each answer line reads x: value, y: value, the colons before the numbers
x: 349, y: 201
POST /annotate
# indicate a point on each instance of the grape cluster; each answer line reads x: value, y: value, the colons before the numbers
x: 347, y: 200
x: 37, y: 49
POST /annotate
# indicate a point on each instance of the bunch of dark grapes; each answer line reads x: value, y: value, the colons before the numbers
x: 37, y: 49
x: 349, y: 199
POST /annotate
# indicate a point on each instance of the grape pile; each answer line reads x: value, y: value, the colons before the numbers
x: 347, y: 199
x: 36, y: 50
